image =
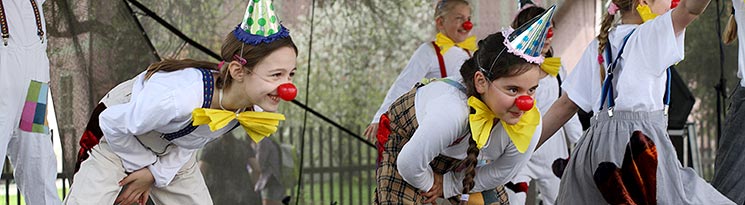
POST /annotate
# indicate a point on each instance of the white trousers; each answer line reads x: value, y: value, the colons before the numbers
x: 31, y: 154
x: 97, y: 182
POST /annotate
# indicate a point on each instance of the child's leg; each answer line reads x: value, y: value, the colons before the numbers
x: 188, y: 187
x: 549, y: 188
x: 98, y: 178
x: 32, y: 155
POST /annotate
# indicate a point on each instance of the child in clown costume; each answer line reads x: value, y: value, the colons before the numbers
x: 149, y: 138
x: 439, y: 131
x: 24, y: 77
x: 728, y: 173
x: 545, y: 166
x: 437, y: 59
x: 626, y: 156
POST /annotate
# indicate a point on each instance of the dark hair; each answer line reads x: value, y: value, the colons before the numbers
x: 483, y: 60
x: 506, y: 65
x: 231, y: 46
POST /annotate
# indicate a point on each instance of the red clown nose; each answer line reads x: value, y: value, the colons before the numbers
x: 467, y: 25
x: 674, y: 4
x: 524, y: 103
x: 287, y: 91
x: 550, y: 33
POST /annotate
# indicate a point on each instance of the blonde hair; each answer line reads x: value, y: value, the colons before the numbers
x: 605, y: 26
x: 445, y: 6
x: 730, y: 32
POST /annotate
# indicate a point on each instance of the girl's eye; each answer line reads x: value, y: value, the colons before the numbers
x: 531, y: 91
x: 512, y: 90
x: 277, y: 75
x: 292, y: 74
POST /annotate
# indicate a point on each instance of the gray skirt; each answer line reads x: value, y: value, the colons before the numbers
x: 729, y: 173
x: 629, y: 159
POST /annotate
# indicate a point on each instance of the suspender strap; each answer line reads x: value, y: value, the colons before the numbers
x: 39, y: 31
x: 4, y: 24
x: 207, y: 79
x: 443, y: 72
x: 454, y: 84
x: 607, y: 92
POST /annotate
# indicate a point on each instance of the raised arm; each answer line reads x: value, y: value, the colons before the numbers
x: 686, y: 12
x: 559, y: 113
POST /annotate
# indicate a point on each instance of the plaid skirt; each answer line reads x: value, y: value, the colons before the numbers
x: 391, y: 187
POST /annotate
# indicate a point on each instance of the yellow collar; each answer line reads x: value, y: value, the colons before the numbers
x: 258, y: 125
x: 645, y: 12
x: 482, y: 122
x: 446, y: 43
x: 551, y: 66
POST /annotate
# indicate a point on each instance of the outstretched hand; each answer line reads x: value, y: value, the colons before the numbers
x: 137, y: 187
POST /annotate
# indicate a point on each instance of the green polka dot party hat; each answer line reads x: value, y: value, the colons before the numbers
x: 527, y: 40
x: 260, y: 24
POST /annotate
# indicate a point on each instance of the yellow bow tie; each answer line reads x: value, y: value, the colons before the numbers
x: 258, y: 125
x: 551, y: 66
x: 482, y: 122
x: 446, y: 43
x: 645, y: 12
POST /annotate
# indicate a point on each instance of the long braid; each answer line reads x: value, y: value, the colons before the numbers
x: 605, y: 26
x: 470, y: 165
x: 603, y: 40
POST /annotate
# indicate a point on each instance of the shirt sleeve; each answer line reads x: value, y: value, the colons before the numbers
x: 415, y: 71
x: 439, y: 128
x: 165, y: 167
x: 120, y: 123
x: 655, y: 44
x: 498, y: 171
x: 585, y: 75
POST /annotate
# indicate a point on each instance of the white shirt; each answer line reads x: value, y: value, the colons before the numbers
x: 739, y: 6
x: 640, y: 74
x: 164, y: 104
x: 442, y: 114
x: 423, y: 64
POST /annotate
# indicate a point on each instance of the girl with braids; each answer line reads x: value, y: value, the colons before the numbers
x: 436, y: 59
x: 438, y: 131
x: 626, y: 156
x: 728, y: 173
x: 151, y: 126
x: 544, y: 166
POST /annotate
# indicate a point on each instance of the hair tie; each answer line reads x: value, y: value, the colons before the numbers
x: 240, y: 59
x: 219, y: 65
x: 600, y: 59
x: 613, y: 8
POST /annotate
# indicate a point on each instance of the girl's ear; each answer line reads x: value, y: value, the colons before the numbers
x: 236, y: 71
x: 480, y: 82
x: 440, y: 23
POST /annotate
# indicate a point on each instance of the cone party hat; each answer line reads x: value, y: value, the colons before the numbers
x: 260, y: 24
x: 527, y: 40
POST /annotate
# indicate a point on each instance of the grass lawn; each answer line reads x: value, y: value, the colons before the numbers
x: 13, y: 198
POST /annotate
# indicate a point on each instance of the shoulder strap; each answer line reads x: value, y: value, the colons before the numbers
x: 443, y: 71
x: 4, y: 22
x: 208, y: 81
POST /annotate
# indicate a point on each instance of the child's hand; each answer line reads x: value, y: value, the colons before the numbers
x: 371, y: 131
x: 436, y: 190
x: 137, y: 188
